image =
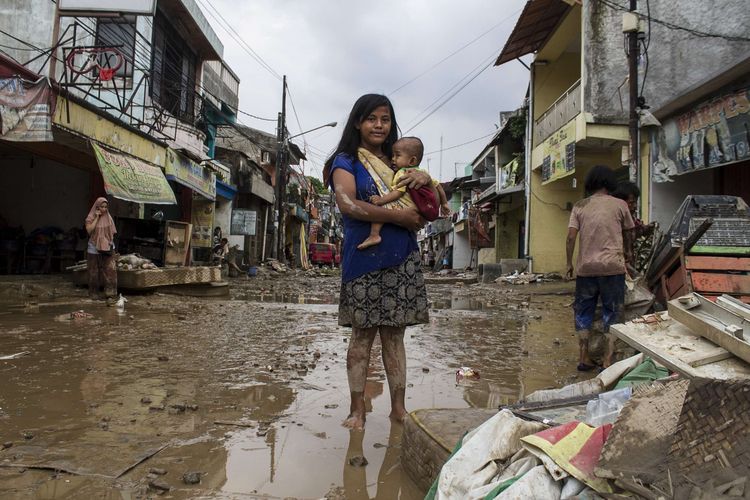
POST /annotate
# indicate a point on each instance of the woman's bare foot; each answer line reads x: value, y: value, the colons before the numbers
x: 371, y: 241
x: 354, y: 421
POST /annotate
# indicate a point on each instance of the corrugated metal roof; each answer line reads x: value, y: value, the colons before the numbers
x: 537, y: 22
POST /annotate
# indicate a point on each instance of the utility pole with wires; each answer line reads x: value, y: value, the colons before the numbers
x: 631, y: 26
x: 280, y: 187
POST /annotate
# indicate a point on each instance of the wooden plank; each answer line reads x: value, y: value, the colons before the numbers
x: 709, y: 321
x: 721, y: 283
x: 660, y: 355
x: 674, y: 345
x: 736, y: 306
x: 704, y: 263
x: 705, y: 358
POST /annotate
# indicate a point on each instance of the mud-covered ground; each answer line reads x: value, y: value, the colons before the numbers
x: 246, y: 391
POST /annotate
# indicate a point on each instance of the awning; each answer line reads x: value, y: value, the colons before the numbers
x: 225, y: 190
x: 538, y: 20
x: 181, y: 169
x: 131, y: 179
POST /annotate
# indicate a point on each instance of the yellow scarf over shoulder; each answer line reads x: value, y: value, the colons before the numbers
x: 382, y: 175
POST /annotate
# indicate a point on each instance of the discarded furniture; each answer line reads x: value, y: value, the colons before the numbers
x: 705, y: 250
x: 680, y: 349
x: 714, y: 322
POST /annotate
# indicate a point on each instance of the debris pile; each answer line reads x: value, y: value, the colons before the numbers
x: 134, y: 261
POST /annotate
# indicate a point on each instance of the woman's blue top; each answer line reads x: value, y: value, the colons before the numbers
x: 397, y: 242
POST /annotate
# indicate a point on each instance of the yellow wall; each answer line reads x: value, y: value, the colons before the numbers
x: 551, y: 205
x: 562, y: 68
x: 106, y: 131
x: 507, y: 231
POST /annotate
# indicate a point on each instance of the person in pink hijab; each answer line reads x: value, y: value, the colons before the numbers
x: 100, y: 254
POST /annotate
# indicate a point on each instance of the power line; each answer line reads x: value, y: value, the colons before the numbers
x: 226, y: 26
x: 462, y: 144
x: 673, y: 26
x: 487, y: 63
x: 454, y: 53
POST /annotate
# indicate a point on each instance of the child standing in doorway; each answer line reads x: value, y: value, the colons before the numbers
x: 407, y: 155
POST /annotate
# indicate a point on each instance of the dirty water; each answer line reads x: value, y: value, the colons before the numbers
x: 247, y: 392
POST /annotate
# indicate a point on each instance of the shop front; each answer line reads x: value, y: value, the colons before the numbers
x: 701, y: 149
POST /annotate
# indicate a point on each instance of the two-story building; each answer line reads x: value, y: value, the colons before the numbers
x: 579, y: 104
x: 130, y: 116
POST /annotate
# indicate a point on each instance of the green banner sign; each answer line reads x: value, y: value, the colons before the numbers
x: 131, y: 179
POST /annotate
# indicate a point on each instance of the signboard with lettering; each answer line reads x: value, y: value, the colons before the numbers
x: 182, y: 169
x: 709, y: 134
x: 559, y: 153
x: 130, y: 179
x: 243, y: 222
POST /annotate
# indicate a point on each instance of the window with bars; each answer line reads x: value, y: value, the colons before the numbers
x: 173, y: 70
x: 117, y: 32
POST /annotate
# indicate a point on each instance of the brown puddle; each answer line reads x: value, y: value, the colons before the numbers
x: 174, y: 373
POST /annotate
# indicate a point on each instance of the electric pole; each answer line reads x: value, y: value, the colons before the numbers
x: 280, y: 190
x: 633, y: 55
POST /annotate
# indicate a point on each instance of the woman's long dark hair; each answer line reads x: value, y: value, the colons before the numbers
x: 350, y: 138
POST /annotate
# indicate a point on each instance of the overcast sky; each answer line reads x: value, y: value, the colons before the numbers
x: 334, y: 51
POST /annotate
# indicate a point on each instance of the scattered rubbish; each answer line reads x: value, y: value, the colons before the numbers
x: 120, y: 304
x: 81, y: 314
x: 159, y: 485
x: 191, y: 477
x: 28, y: 435
x: 235, y: 424
x: 425, y: 370
x: 331, y: 406
x: 7, y: 445
x: 606, y: 408
x: 162, y: 358
x: 16, y: 355
x: 133, y: 261
x: 466, y: 372
x: 158, y: 472
x: 358, y: 461
x: 146, y: 400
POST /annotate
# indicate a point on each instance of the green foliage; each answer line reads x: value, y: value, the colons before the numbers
x: 318, y: 185
x: 517, y: 127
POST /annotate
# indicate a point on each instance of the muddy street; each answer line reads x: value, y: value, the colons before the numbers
x: 243, y: 397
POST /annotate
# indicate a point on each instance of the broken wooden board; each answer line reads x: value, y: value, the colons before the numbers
x: 719, y: 325
x: 675, y: 346
x: 647, y: 424
x: 736, y: 306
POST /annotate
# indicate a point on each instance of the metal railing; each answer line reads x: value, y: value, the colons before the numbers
x: 564, y: 109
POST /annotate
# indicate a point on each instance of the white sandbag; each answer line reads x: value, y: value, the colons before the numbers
x: 515, y: 469
x: 537, y: 484
x: 591, y: 387
x: 571, y: 488
x: 499, y: 438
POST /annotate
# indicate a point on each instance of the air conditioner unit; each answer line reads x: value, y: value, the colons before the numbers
x: 265, y: 157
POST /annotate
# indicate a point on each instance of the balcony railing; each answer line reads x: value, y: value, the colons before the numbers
x: 564, y: 109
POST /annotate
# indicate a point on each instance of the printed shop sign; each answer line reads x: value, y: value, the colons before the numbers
x: 559, y: 153
x: 180, y: 168
x: 131, y: 179
x: 711, y: 133
x: 203, y: 221
x: 26, y: 110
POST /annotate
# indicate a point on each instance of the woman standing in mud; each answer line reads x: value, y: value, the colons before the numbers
x: 100, y: 256
x: 382, y: 288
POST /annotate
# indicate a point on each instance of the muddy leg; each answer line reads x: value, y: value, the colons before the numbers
x: 394, y: 360
x: 109, y: 275
x: 357, y: 361
x: 92, y: 265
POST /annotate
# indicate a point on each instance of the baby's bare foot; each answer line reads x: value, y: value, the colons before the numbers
x: 371, y: 241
